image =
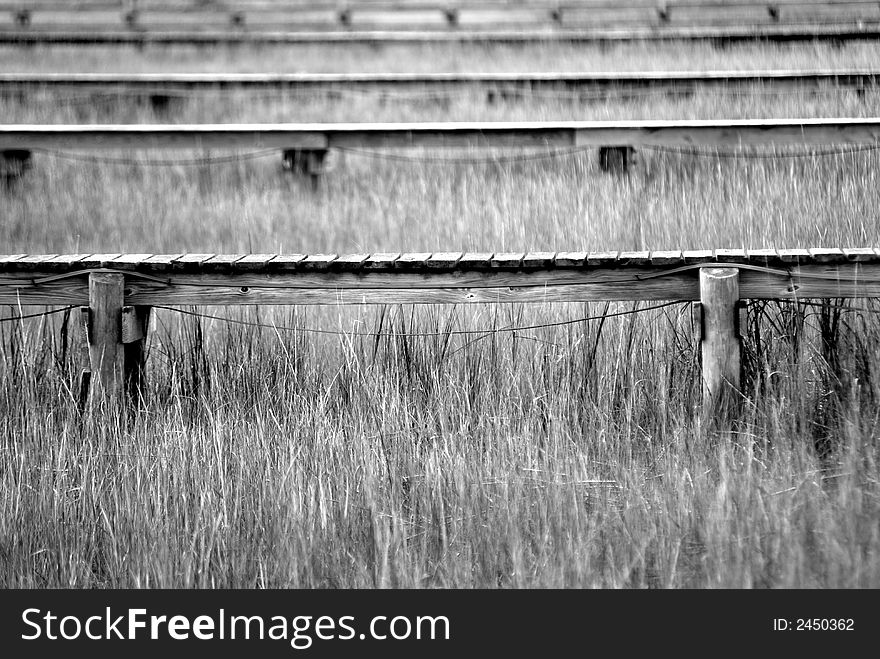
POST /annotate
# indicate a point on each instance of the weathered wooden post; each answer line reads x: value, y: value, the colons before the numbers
x: 305, y: 161
x: 116, y: 335
x: 106, y: 353
x: 13, y: 164
x: 616, y: 159
x: 135, y: 325
x: 720, y: 341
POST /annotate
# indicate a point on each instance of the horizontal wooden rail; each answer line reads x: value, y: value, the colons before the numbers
x: 158, y: 83
x: 426, y: 278
x: 690, y: 133
x: 398, y: 6
x: 824, y: 31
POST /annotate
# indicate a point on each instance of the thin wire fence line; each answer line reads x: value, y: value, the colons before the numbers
x: 438, y: 160
x: 485, y: 160
x: 759, y: 155
x: 819, y: 305
x: 41, y: 314
x: 312, y: 330
x: 158, y: 162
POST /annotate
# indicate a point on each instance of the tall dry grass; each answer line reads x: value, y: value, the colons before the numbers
x: 569, y: 456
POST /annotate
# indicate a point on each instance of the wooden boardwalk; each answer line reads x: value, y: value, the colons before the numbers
x: 117, y: 291
x: 670, y: 81
x: 727, y: 133
x: 777, y: 33
x: 453, y: 14
x: 431, y: 278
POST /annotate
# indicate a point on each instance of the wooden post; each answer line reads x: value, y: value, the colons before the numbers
x: 305, y: 161
x: 135, y: 324
x: 616, y: 159
x: 13, y: 164
x: 106, y: 351
x: 719, y: 303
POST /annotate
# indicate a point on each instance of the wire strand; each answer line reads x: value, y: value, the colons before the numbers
x: 757, y: 155
x: 522, y: 328
x: 158, y: 162
x: 490, y: 160
x: 10, y: 319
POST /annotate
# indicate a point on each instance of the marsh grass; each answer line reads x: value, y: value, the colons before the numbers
x: 571, y: 456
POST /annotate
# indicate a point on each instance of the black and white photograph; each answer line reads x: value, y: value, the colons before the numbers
x: 414, y: 327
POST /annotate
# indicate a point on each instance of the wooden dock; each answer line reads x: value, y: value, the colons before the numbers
x: 775, y: 33
x: 116, y: 291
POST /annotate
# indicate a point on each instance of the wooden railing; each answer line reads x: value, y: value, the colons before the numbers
x: 482, y: 21
x: 116, y: 291
x: 835, y: 33
x: 450, y: 11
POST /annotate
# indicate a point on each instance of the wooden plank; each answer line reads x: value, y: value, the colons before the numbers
x: 827, y: 255
x: 859, y: 254
x: 98, y: 260
x: 443, y: 260
x: 730, y: 255
x: 475, y: 260
x: 317, y: 261
x: 284, y: 262
x: 538, y: 260
x: 221, y: 262
x: 723, y: 34
x: 668, y: 257
x: 381, y: 261
x: 161, y: 262
x: 350, y: 262
x: 34, y: 261
x: 794, y: 255
x: 66, y: 262
x: 696, y: 256
x: 570, y: 259
x: 190, y: 262
x: 764, y: 256
x: 602, y: 259
x: 507, y: 260
x: 686, y: 133
x: 412, y: 261
x: 256, y: 262
x: 633, y: 258
x: 422, y: 285
x: 9, y: 259
x: 128, y: 261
